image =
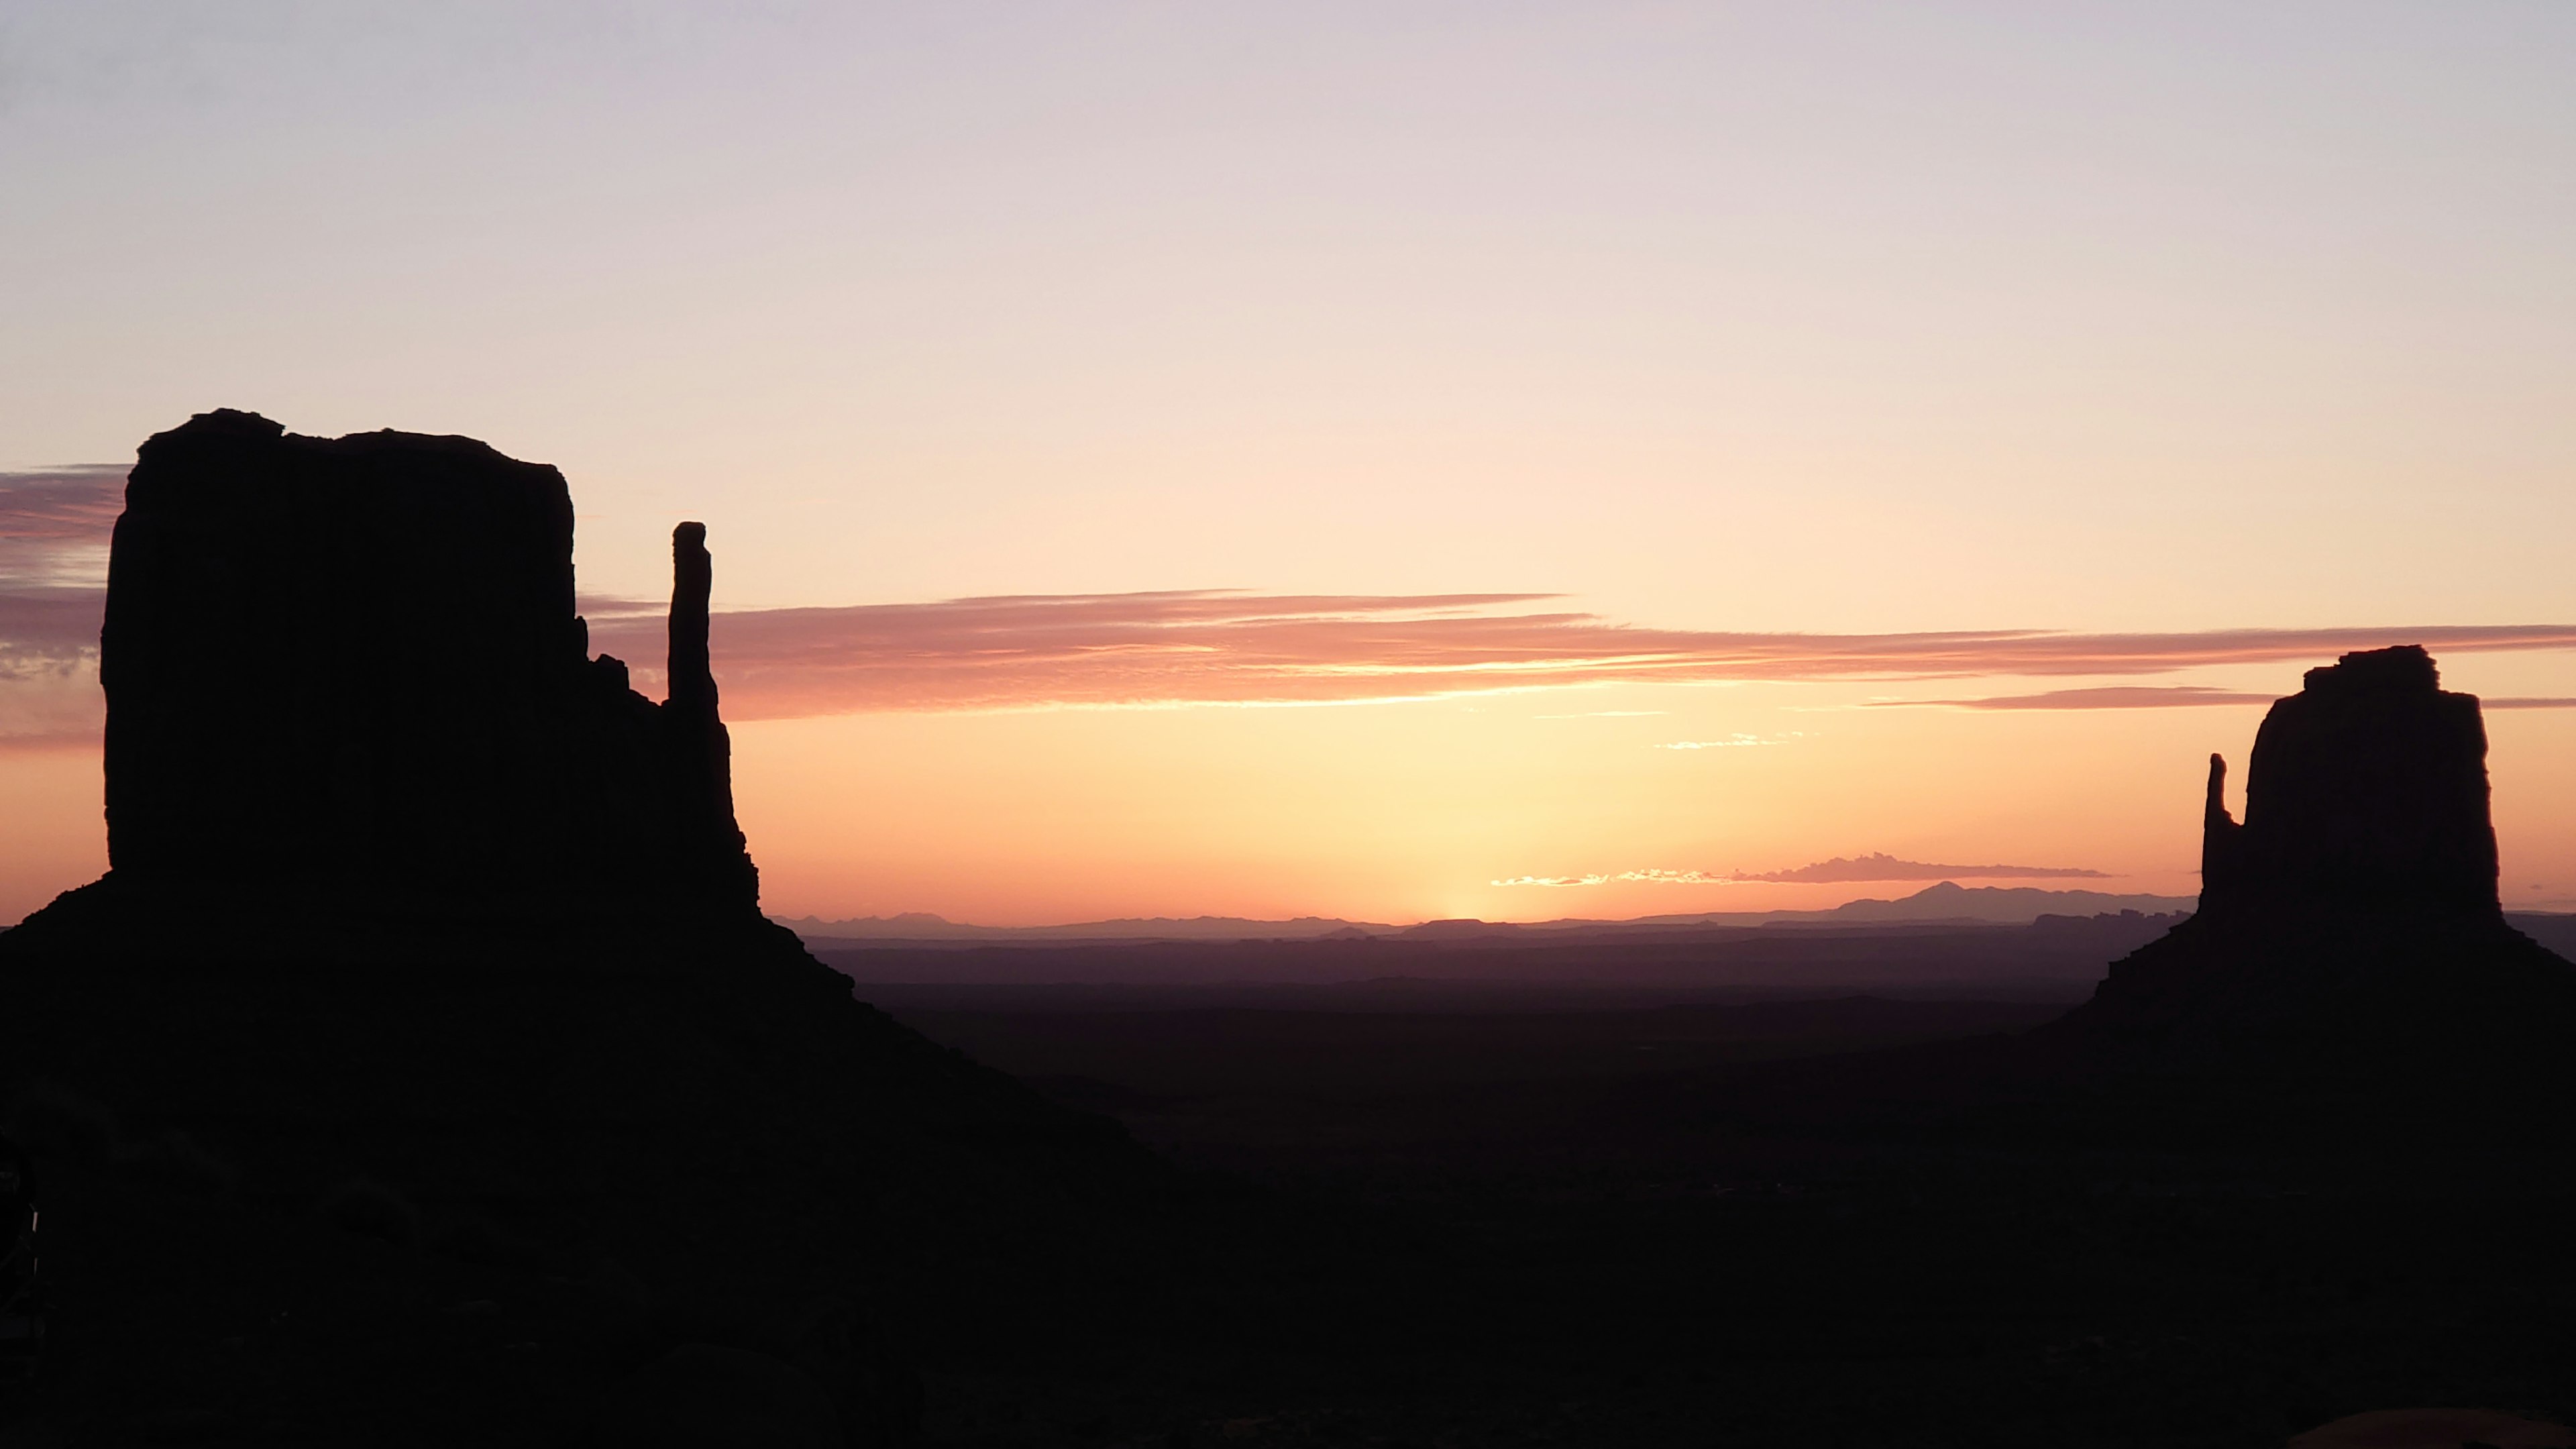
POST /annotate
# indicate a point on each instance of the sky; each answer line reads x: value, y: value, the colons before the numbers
x: 1382, y: 461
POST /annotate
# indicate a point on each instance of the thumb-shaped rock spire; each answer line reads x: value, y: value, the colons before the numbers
x: 2218, y: 832
x: 701, y: 752
x: 692, y: 681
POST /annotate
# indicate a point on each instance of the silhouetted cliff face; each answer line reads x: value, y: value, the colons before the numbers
x: 2368, y: 791
x: 349, y: 671
x: 2349, y: 968
x: 407, y: 892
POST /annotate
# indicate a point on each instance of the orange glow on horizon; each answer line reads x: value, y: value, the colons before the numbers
x: 1399, y: 812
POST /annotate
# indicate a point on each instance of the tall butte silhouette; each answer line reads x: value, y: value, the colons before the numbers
x: 420, y: 921
x: 2350, y: 968
x: 347, y: 688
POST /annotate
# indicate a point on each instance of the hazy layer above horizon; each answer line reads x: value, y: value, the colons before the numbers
x: 1945, y: 902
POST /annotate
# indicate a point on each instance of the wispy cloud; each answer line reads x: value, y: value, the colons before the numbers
x: 48, y: 623
x: 49, y: 695
x: 2158, y: 696
x: 1213, y: 646
x: 1732, y: 742
x: 598, y: 607
x: 50, y: 703
x: 1606, y: 714
x: 2124, y: 696
x: 61, y: 505
x: 1883, y: 867
x: 1837, y: 871
x: 1645, y: 877
x: 1677, y: 877
x: 54, y: 527
x: 1229, y: 647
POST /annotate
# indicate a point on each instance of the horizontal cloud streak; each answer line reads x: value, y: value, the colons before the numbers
x: 49, y: 694
x: 2129, y: 696
x: 1880, y: 867
x: 47, y: 703
x: 1220, y: 647
x: 61, y: 505
x: 54, y: 528
x: 1649, y: 876
x: 2160, y: 696
x: 48, y: 625
x: 1836, y: 871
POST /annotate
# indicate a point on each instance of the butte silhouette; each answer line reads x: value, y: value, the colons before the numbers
x: 423, y: 930
x: 349, y: 701
x: 2349, y: 977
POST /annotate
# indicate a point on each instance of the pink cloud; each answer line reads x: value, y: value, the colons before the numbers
x: 2118, y: 696
x: 1225, y: 647
x: 1230, y: 647
x: 58, y: 506
x: 2163, y: 696
x: 50, y: 625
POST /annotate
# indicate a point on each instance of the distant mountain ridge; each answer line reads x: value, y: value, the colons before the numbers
x: 1945, y: 901
x: 1950, y: 901
x: 924, y: 926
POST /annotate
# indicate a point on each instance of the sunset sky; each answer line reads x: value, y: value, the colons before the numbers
x: 1384, y: 461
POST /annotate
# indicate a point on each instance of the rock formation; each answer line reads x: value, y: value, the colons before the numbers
x: 414, y: 904
x: 348, y: 672
x: 2350, y: 964
x: 2368, y: 789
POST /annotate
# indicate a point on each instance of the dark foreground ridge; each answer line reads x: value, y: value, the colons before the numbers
x: 429, y: 970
